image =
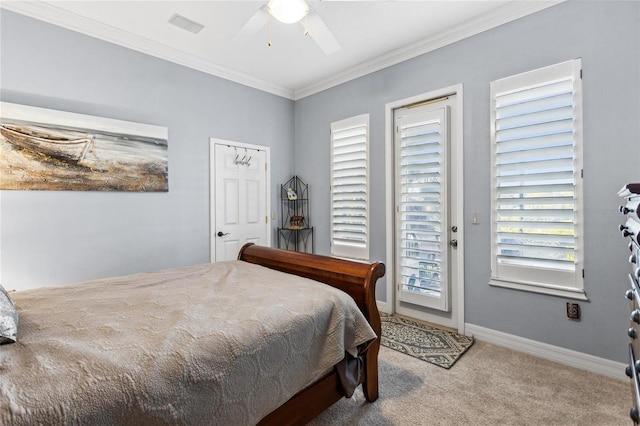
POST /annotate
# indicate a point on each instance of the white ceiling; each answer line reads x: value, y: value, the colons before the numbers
x: 373, y: 35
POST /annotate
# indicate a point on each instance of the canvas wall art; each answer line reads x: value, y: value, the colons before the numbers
x: 44, y: 149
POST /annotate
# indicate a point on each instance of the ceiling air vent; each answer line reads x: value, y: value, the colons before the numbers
x: 186, y: 23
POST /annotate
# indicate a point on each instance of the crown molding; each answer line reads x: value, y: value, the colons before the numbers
x: 62, y: 18
x: 54, y: 15
x: 509, y: 12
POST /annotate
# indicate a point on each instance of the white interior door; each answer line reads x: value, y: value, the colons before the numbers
x: 240, y: 199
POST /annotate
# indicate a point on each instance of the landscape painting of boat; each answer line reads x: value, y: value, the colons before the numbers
x: 42, y: 149
x: 64, y: 148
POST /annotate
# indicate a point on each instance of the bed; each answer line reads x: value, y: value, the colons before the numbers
x: 259, y: 340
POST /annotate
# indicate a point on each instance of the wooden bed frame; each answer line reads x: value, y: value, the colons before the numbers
x: 354, y: 278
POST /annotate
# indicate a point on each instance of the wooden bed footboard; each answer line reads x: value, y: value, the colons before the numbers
x: 354, y: 278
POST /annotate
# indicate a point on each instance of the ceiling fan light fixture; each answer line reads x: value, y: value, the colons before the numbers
x: 288, y: 11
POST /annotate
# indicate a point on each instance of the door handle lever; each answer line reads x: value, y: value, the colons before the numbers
x: 222, y: 234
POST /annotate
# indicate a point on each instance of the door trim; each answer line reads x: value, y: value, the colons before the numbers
x: 212, y: 188
x: 458, y: 215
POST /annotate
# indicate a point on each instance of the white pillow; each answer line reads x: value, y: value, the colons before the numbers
x: 8, y: 318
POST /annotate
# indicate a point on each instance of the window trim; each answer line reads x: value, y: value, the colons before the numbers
x: 522, y: 280
x: 341, y: 250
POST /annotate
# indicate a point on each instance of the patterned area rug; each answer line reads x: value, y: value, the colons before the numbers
x: 439, y: 347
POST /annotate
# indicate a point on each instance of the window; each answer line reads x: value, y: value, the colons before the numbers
x: 350, y: 187
x: 536, y: 139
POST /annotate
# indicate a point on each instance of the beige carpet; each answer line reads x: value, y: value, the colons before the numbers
x: 489, y: 385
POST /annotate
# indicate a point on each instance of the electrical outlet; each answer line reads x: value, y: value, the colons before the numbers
x: 573, y: 311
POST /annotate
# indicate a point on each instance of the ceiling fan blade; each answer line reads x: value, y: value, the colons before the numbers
x: 319, y: 31
x: 254, y: 24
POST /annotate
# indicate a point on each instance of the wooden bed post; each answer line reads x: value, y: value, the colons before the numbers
x: 370, y: 384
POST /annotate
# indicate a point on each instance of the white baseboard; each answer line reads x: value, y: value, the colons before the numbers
x: 557, y: 354
x: 383, y: 307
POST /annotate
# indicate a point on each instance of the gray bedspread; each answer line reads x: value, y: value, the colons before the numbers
x: 222, y: 343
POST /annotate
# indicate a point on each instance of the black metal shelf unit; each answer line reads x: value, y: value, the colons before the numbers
x: 295, y: 232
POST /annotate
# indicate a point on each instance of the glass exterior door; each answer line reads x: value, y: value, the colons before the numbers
x: 421, y: 148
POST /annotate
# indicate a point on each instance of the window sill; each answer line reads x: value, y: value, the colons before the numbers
x: 565, y: 292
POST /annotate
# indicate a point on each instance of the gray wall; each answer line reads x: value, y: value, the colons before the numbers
x: 606, y: 35
x: 56, y: 237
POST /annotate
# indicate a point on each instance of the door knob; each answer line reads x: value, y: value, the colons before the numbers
x: 453, y: 243
x: 222, y: 234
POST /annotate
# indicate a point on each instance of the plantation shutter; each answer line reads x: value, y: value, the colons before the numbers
x: 536, y: 178
x: 349, y: 188
x: 421, y: 155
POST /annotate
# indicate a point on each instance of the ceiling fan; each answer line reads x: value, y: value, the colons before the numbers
x: 290, y: 12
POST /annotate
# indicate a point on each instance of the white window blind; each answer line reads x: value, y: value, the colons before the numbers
x: 350, y: 187
x: 536, y: 142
